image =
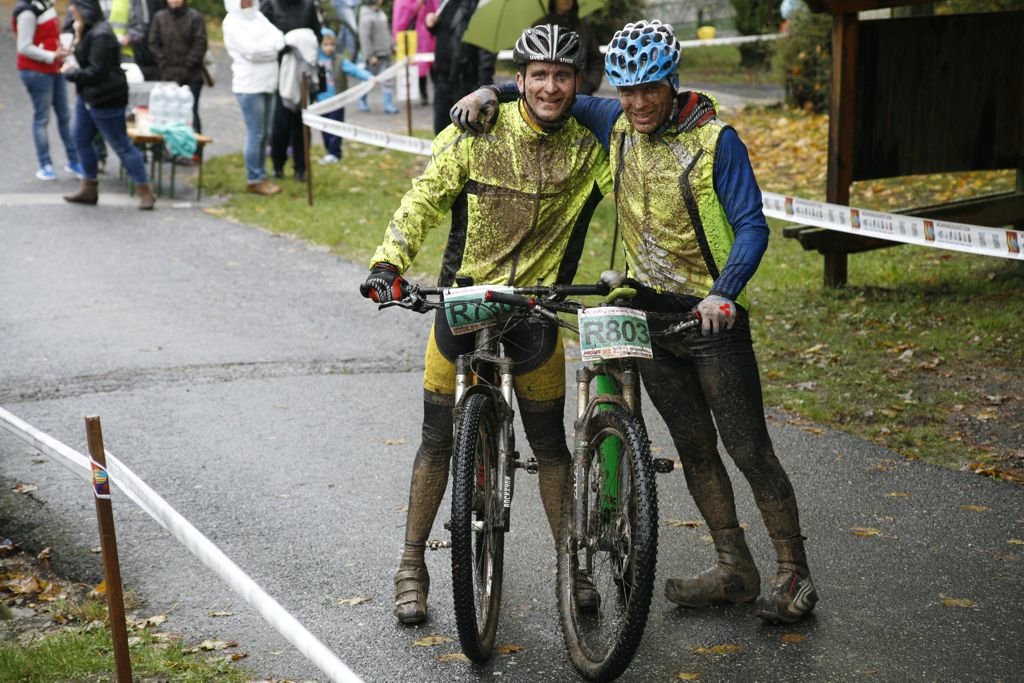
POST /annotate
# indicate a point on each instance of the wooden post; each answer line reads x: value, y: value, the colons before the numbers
x: 304, y: 99
x: 842, y: 110
x: 108, y: 548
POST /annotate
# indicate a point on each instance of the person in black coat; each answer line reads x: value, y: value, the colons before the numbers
x: 102, y: 99
x: 286, y: 129
x: 459, y: 68
x: 565, y: 13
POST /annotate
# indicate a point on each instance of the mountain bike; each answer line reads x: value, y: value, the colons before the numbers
x: 609, y: 527
x: 609, y: 522
x: 484, y: 458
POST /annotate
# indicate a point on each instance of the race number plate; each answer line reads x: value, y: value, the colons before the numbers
x: 466, y: 310
x: 614, y: 332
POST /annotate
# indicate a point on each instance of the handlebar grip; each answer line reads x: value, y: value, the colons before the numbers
x: 365, y: 290
x: 517, y: 300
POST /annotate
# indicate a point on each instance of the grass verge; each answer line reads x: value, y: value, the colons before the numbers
x: 52, y: 630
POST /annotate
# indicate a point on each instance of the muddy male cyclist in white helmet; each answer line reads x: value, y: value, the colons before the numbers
x: 693, y: 231
x: 520, y: 199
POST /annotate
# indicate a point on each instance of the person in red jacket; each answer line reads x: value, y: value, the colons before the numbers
x: 40, y: 55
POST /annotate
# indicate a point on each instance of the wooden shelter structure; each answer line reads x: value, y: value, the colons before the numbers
x: 919, y: 95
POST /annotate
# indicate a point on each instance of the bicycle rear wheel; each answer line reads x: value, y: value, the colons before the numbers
x: 616, y: 547
x: 477, y: 527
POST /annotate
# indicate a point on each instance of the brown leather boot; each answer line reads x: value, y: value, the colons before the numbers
x: 733, y: 579
x: 146, y: 197
x: 88, y: 193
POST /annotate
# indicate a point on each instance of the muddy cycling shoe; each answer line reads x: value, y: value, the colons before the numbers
x: 716, y: 586
x: 585, y: 593
x: 411, y: 587
x: 733, y: 579
x: 790, y: 599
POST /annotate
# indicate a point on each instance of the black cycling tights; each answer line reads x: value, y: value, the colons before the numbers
x: 693, y: 378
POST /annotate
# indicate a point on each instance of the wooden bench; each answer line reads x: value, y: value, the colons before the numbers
x: 154, y: 145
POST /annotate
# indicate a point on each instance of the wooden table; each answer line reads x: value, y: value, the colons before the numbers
x: 154, y: 144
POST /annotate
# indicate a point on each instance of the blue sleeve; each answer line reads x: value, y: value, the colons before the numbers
x: 739, y: 194
x: 598, y: 114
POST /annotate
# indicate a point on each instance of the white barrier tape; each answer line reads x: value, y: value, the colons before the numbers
x: 69, y: 458
x: 355, y: 92
x: 369, y: 136
x: 200, y: 546
x: 927, y: 232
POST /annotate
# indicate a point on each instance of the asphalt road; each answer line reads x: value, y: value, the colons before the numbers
x: 240, y: 375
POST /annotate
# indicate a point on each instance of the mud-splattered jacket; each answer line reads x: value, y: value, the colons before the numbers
x: 688, y: 205
x: 521, y: 200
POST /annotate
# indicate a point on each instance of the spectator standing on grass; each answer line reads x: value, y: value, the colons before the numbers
x: 336, y: 69
x: 102, y: 99
x: 253, y: 44
x: 286, y: 130
x: 411, y: 15
x: 40, y: 56
x: 377, y: 45
x: 458, y: 67
x: 177, y: 38
x: 565, y: 13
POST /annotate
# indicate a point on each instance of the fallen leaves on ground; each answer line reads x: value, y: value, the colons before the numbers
x: 25, y: 488
x: 508, y: 649
x: 452, y: 657
x: 865, y: 531
x: 210, y: 645
x: 975, y: 508
x: 793, y: 638
x: 688, y: 523
x: 723, y: 649
x: 351, y: 602
x: 431, y: 641
x: 956, y: 602
x: 688, y: 676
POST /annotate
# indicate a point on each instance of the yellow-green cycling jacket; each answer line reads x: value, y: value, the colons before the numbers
x: 521, y: 200
x: 689, y: 208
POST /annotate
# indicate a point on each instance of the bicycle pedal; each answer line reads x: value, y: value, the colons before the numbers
x: 530, y: 465
x: 435, y: 544
x: 664, y: 465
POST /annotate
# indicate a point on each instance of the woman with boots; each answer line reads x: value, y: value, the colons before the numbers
x: 102, y: 98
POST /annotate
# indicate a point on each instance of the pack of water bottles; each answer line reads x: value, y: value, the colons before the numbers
x: 170, y: 104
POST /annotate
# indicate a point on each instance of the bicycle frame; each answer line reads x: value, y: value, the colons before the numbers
x: 487, y: 349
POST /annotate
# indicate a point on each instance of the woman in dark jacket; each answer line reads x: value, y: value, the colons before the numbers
x: 565, y: 13
x: 102, y: 98
x: 177, y: 37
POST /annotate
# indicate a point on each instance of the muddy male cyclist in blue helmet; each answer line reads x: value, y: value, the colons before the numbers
x: 690, y: 213
x: 520, y: 201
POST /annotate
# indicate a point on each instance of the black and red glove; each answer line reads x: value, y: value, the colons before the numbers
x: 383, y: 284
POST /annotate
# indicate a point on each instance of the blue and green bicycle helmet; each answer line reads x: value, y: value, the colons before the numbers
x: 643, y: 52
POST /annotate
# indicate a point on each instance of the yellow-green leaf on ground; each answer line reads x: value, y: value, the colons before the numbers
x: 688, y: 523
x: 210, y: 645
x: 1016, y: 541
x: 723, y: 649
x: 956, y: 602
x: 219, y: 614
x: 154, y: 620
x: 898, y: 494
x: 358, y: 600
x: 688, y: 676
x: 508, y: 649
x: 793, y: 638
x: 865, y: 531
x: 975, y: 508
x: 395, y: 442
x: 431, y: 641
x: 452, y: 657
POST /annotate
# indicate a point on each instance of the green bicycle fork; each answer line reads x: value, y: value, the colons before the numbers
x: 611, y: 452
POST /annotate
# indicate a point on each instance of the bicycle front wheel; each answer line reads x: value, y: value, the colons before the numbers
x: 608, y: 537
x: 477, y: 527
